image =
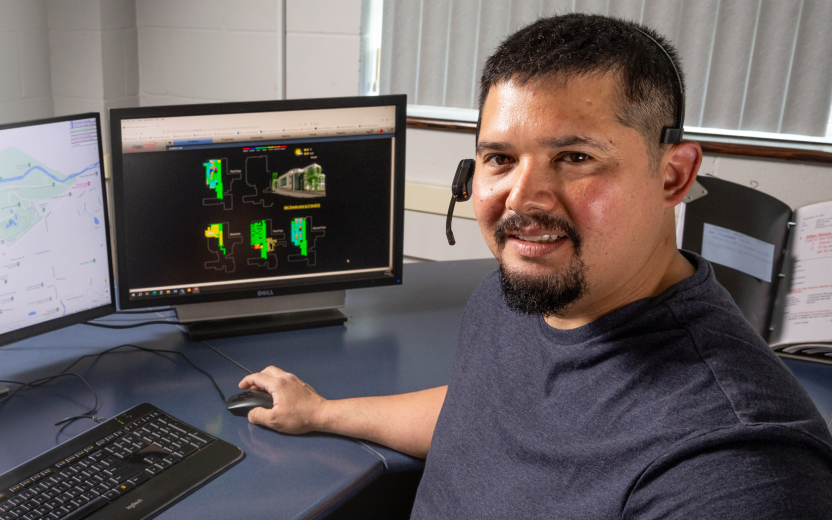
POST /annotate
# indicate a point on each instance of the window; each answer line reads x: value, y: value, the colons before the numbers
x: 755, y: 68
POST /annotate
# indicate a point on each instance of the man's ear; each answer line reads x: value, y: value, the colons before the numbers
x: 679, y: 167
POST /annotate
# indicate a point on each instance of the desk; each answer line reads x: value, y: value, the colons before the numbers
x: 397, y: 339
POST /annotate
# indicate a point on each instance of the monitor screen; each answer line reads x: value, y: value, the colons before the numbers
x: 55, y: 267
x: 243, y: 200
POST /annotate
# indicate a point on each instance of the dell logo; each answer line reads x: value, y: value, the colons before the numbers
x: 265, y: 293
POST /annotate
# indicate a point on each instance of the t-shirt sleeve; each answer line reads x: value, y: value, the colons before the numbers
x: 741, y: 479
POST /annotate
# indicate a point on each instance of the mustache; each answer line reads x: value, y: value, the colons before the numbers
x: 515, y: 222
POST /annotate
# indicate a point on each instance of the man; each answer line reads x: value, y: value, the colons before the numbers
x: 600, y: 373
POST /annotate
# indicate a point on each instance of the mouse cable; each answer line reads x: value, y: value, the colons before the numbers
x: 47, y: 379
x: 154, y: 351
x: 88, y: 413
x: 131, y: 326
x: 226, y: 357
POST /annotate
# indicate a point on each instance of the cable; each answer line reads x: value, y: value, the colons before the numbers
x: 89, y: 414
x: 154, y: 351
x: 226, y: 357
x: 44, y: 380
x: 132, y: 326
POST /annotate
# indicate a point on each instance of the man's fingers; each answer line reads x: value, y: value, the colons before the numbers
x: 273, y: 371
x: 258, y: 379
x: 259, y: 415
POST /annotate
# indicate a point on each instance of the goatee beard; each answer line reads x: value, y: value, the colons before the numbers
x: 545, y: 295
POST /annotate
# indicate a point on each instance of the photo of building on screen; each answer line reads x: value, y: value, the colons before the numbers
x: 305, y: 182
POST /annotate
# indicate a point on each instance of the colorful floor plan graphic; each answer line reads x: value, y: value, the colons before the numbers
x: 307, y: 182
x: 303, y: 236
x: 221, y: 243
x: 264, y: 241
x: 219, y: 179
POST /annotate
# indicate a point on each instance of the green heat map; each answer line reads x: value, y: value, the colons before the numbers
x: 260, y: 187
x: 259, y: 239
x: 299, y: 234
x: 213, y: 176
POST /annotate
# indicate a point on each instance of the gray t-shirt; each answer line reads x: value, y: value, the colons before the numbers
x: 670, y: 407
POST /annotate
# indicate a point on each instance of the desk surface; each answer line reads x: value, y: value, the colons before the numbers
x: 397, y: 339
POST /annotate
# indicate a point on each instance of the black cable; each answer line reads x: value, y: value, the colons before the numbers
x: 226, y: 357
x: 154, y: 351
x: 44, y: 380
x: 132, y: 326
x: 89, y: 414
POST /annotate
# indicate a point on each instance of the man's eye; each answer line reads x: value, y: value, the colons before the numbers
x: 575, y: 157
x: 499, y: 160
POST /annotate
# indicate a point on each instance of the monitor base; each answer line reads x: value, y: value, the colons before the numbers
x: 3, y: 389
x: 213, y: 329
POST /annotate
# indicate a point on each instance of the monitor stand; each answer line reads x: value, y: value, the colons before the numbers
x: 261, y: 315
x: 3, y: 389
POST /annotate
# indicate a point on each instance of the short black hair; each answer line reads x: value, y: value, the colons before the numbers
x: 566, y: 46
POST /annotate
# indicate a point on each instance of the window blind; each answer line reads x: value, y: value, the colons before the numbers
x: 752, y: 65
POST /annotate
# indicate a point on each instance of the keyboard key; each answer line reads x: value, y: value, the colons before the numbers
x: 87, y: 509
x: 186, y: 450
x: 20, y: 510
x: 50, y: 494
x: 96, y: 456
x: 112, y: 495
x: 125, y: 487
x: 140, y: 478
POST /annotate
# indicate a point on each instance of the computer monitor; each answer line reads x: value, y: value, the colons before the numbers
x: 256, y: 216
x: 55, y: 267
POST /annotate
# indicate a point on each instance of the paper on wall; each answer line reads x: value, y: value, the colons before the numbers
x: 807, y: 315
x: 738, y: 251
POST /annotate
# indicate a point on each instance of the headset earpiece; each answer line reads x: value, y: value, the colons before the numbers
x: 461, y: 191
x: 463, y: 180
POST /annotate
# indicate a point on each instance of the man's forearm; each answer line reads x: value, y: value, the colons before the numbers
x: 404, y: 422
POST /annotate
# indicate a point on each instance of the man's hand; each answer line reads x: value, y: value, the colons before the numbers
x: 404, y: 422
x: 297, y: 406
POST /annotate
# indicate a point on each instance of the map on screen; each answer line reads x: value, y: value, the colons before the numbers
x: 53, y: 234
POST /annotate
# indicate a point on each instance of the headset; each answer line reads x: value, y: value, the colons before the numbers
x: 464, y: 177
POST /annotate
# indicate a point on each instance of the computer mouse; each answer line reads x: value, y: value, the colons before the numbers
x: 240, y: 404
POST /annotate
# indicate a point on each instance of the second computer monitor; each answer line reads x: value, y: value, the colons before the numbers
x: 236, y: 201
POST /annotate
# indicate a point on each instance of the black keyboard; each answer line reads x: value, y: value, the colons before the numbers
x: 129, y: 467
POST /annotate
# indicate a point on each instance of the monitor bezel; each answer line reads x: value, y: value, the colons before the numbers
x: 89, y: 314
x: 117, y: 115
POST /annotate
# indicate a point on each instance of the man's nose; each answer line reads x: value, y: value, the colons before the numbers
x: 532, y: 188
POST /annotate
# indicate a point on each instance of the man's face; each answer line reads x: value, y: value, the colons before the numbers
x: 564, y: 195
